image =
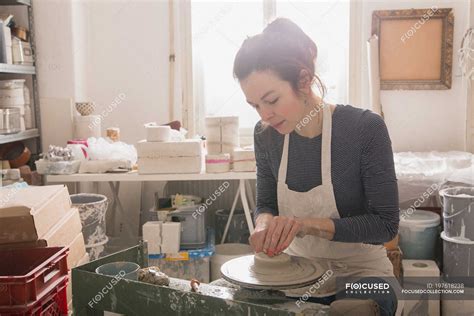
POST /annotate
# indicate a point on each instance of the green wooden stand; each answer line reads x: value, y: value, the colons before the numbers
x: 94, y: 293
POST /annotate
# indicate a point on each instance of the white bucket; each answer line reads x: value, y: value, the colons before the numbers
x: 418, y: 234
x: 224, y: 253
x: 458, y: 258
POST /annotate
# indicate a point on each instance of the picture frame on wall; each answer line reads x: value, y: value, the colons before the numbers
x: 415, y: 48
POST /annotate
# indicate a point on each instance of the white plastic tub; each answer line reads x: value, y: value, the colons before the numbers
x: 224, y: 253
x: 418, y: 234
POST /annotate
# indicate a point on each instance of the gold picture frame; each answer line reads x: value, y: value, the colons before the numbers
x: 415, y: 48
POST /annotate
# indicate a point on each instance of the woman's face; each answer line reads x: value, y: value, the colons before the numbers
x: 274, y: 99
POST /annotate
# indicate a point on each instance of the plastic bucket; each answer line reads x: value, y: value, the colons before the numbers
x: 457, y: 217
x: 458, y: 258
x: 92, y: 209
x: 96, y: 251
x: 120, y: 270
x: 224, y: 253
x: 419, y: 232
x: 238, y: 230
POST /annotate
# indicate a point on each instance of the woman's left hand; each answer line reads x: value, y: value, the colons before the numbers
x: 281, y: 232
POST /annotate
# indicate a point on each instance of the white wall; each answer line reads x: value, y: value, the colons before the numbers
x: 422, y: 120
x: 96, y: 50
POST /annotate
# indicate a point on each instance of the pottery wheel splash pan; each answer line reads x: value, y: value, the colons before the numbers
x: 276, y: 273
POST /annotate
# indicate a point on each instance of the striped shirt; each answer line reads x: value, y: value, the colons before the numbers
x: 362, y: 169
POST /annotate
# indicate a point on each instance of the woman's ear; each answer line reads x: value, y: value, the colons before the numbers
x: 305, y: 81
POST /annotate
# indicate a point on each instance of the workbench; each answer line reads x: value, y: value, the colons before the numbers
x: 94, y: 293
x: 244, y: 191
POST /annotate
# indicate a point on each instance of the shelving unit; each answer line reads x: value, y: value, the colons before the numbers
x: 26, y: 70
x: 28, y: 134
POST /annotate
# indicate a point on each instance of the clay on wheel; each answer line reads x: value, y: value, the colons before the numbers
x: 278, y: 272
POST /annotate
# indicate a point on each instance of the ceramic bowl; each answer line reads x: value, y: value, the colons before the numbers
x: 85, y: 108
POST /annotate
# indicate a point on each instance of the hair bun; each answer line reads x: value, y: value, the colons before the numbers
x: 285, y: 30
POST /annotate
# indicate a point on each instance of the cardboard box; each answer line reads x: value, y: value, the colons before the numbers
x: 83, y: 260
x: 26, y: 214
x: 77, y: 250
x: 65, y: 231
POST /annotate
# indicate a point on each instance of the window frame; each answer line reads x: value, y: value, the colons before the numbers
x: 355, y: 63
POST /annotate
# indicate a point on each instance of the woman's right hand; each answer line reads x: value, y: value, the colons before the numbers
x: 257, y: 239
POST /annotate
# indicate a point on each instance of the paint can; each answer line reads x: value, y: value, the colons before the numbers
x: 458, y: 202
x: 92, y: 208
x: 96, y: 251
x: 458, y: 258
x: 418, y: 234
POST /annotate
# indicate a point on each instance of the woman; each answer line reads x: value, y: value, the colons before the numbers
x: 326, y: 185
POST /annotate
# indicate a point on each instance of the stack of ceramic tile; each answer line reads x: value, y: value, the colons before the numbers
x: 42, y: 217
x: 171, y: 157
x: 222, y: 134
x: 244, y: 160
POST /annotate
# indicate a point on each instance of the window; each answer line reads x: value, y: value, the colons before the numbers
x: 218, y: 30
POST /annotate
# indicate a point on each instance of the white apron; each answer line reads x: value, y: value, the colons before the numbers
x: 344, y: 259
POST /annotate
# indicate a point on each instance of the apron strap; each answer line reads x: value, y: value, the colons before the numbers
x: 326, y: 146
x: 325, y: 150
x: 284, y: 160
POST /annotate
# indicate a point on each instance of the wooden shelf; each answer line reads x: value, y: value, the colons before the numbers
x: 28, y: 134
x: 15, y: 2
x: 17, y: 69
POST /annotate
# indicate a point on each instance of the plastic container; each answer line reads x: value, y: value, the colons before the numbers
x: 125, y: 270
x: 457, y: 216
x: 53, y: 303
x: 217, y: 163
x: 26, y: 275
x: 92, y: 208
x: 418, y: 234
x: 193, y: 226
x: 458, y: 258
x: 57, y: 167
x: 238, y: 229
x: 224, y: 253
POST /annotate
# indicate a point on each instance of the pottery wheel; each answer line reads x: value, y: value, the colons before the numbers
x: 263, y: 272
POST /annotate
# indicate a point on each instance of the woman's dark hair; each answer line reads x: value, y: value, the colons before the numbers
x: 282, y: 47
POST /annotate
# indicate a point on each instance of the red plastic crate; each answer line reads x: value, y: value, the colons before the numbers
x: 54, y: 303
x: 26, y: 275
